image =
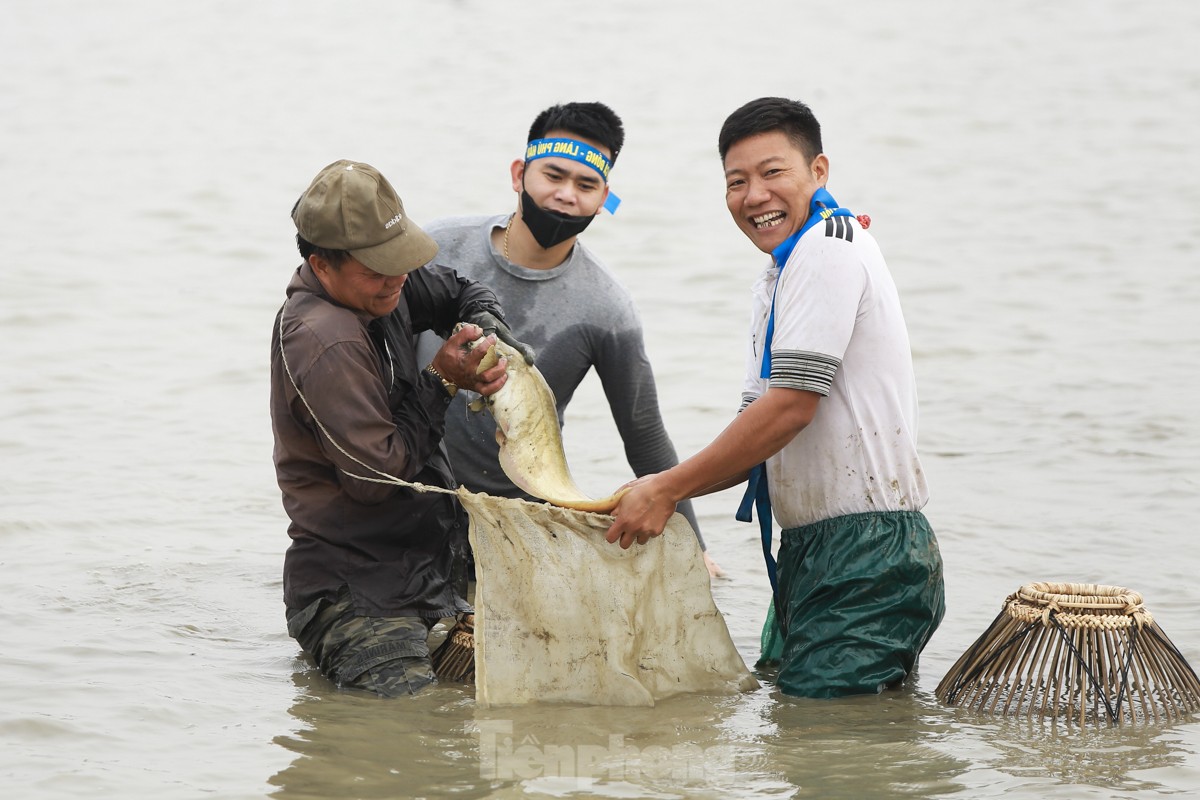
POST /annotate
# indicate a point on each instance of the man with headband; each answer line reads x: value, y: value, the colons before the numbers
x: 563, y: 300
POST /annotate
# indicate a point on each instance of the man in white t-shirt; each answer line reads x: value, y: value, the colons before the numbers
x: 829, y: 417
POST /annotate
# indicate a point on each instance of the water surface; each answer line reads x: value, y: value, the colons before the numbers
x: 1030, y: 169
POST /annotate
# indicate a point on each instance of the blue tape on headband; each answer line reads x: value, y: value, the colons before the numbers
x: 576, y: 151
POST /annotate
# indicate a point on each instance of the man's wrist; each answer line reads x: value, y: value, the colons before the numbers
x: 450, y: 387
x: 671, y: 483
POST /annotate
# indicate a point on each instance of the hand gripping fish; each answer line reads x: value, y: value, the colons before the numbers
x: 531, y: 448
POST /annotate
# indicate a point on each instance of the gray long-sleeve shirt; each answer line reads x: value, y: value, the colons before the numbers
x: 576, y: 316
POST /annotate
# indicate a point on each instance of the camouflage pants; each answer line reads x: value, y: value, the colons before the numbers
x: 385, y: 655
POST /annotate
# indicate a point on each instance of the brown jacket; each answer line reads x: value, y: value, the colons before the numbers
x: 377, y: 410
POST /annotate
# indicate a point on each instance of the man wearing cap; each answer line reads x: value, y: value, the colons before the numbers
x: 371, y: 564
x: 564, y: 300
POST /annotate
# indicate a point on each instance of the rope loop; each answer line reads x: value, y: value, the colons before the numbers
x: 383, y: 476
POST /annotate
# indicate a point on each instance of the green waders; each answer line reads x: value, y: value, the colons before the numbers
x: 861, y: 595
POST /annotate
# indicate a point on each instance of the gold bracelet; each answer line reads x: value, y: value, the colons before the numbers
x: 451, y: 388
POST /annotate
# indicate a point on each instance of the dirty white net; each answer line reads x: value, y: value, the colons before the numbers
x: 562, y: 616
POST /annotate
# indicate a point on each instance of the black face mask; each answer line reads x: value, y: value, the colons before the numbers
x: 550, y: 227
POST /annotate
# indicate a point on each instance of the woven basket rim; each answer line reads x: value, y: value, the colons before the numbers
x: 1081, y: 596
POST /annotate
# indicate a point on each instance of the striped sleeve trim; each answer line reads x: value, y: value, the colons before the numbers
x: 747, y: 399
x: 800, y: 369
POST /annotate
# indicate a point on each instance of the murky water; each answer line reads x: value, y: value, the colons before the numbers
x: 1031, y: 172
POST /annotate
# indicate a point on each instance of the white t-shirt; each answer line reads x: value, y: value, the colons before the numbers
x: 839, y: 331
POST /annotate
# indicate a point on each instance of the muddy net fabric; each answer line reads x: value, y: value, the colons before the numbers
x: 562, y: 616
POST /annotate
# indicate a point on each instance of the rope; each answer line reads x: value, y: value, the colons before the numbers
x: 979, y: 667
x: 1123, y: 686
x: 1079, y: 659
x: 383, y: 476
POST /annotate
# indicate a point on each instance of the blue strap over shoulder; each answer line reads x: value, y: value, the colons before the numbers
x: 758, y: 495
x: 821, y: 207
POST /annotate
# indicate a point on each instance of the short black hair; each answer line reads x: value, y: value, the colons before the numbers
x: 594, y: 121
x: 766, y: 114
x: 335, y: 257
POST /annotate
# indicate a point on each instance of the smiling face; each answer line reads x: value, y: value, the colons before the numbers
x: 768, y: 186
x: 356, y: 286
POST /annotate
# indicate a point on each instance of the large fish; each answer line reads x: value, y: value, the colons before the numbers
x: 531, y: 448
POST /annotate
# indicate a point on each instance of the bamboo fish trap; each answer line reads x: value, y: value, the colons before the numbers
x: 1082, y: 652
x: 454, y: 659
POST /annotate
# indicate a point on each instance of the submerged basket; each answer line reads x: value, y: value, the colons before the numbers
x: 454, y: 659
x: 1082, y: 652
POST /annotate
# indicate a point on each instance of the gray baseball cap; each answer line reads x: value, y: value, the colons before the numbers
x: 351, y: 206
